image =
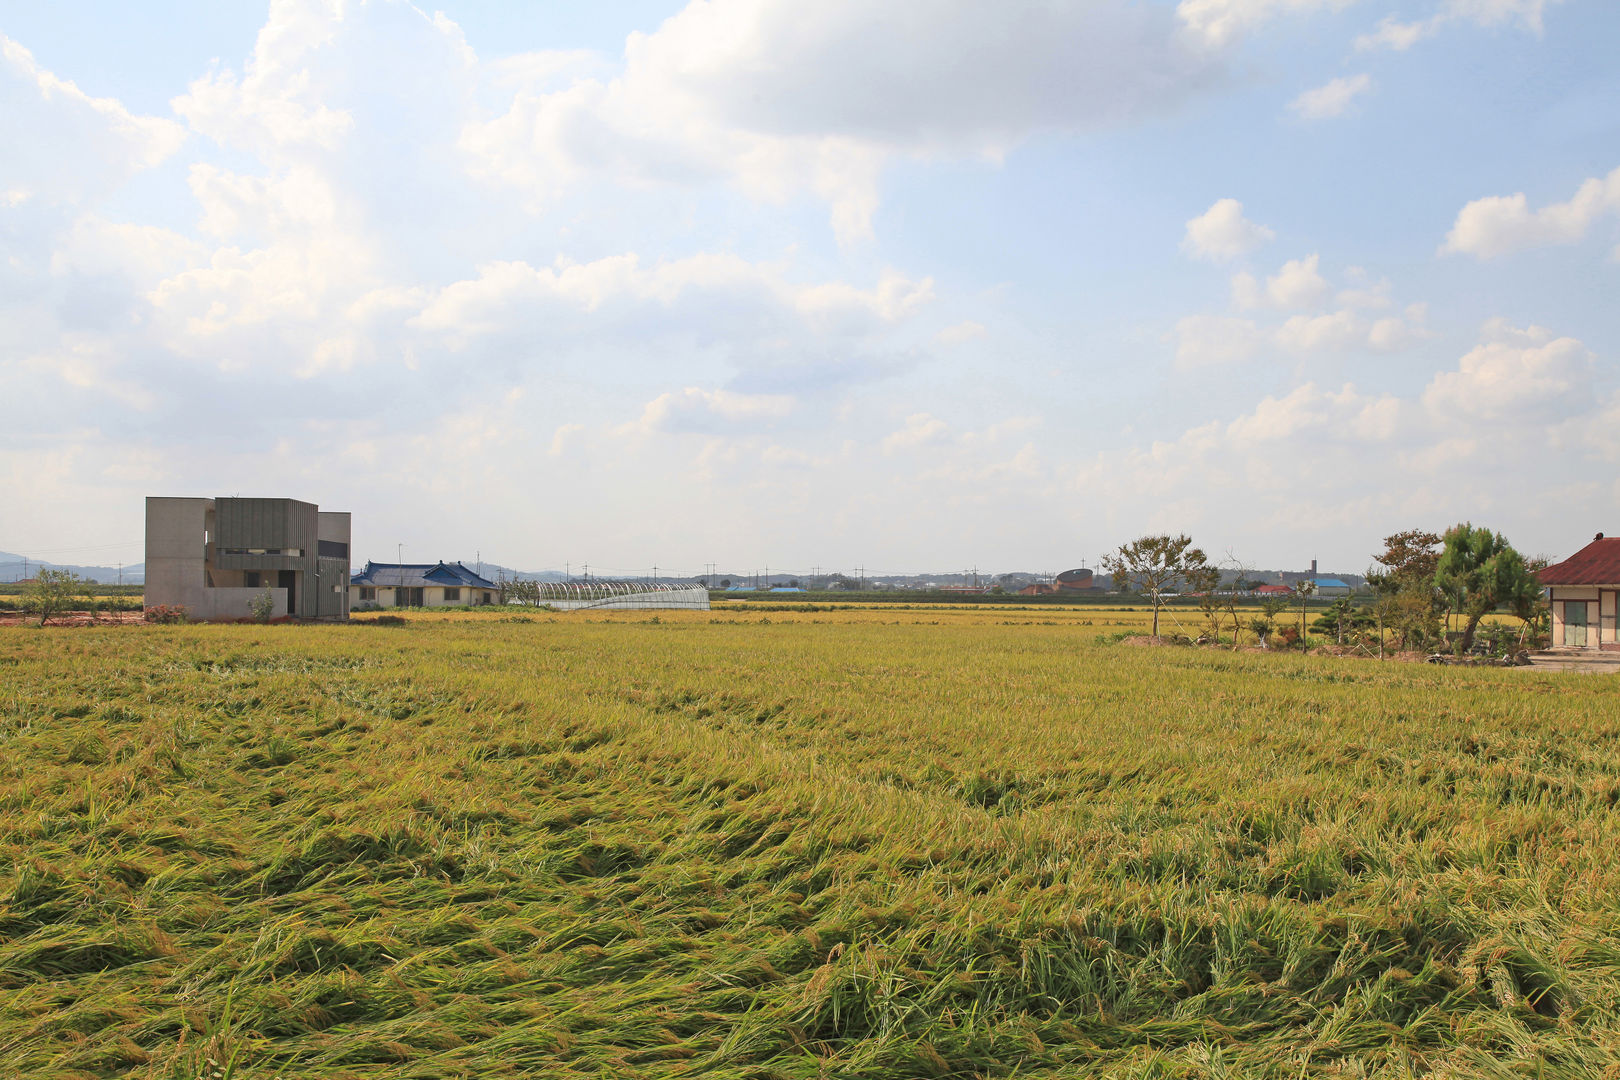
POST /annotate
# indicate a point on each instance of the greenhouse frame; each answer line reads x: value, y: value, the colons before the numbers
x: 639, y: 595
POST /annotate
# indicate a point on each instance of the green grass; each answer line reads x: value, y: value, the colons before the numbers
x: 851, y: 844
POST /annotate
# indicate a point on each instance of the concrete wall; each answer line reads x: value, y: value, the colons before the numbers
x: 186, y: 567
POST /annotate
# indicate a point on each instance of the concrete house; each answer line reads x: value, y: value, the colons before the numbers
x: 384, y: 585
x: 213, y: 556
x: 1581, y: 592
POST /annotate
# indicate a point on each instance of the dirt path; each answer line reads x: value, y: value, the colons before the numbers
x: 74, y: 618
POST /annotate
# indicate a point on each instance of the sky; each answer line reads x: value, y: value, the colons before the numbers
x: 898, y: 285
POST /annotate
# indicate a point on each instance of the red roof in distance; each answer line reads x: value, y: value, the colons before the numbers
x: 1598, y: 563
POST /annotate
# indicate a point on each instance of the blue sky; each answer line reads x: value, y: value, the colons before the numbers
x: 899, y: 285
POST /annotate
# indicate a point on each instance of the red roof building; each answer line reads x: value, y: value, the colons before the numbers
x: 1582, y: 593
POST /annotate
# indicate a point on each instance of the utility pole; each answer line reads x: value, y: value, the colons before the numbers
x: 479, y: 555
x: 120, y: 575
x: 399, y: 554
x: 861, y: 572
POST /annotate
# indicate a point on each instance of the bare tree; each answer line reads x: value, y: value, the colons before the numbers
x: 1154, y: 566
x: 1231, y: 599
x: 1304, y: 588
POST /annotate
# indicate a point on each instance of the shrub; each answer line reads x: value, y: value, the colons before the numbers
x: 263, y: 606
x: 167, y: 614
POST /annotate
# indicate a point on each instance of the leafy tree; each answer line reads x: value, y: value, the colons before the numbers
x: 53, y: 592
x: 1479, y: 571
x: 1403, y: 583
x: 1410, y: 557
x: 1264, y: 625
x: 1532, y: 607
x: 1154, y: 566
x: 1341, y: 612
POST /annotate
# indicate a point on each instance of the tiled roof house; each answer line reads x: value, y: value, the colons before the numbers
x: 1582, y: 592
x: 385, y: 585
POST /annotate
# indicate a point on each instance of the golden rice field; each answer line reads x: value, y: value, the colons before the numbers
x: 859, y: 843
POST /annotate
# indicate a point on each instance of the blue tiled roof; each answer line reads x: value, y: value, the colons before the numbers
x: 416, y: 575
x: 1330, y: 583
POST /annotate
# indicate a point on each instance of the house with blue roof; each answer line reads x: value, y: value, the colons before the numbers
x: 441, y: 584
x: 1331, y: 586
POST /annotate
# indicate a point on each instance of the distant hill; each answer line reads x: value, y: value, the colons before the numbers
x: 13, y: 568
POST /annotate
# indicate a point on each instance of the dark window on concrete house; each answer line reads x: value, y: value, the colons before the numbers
x: 250, y: 578
x: 452, y: 596
x: 367, y: 593
x: 332, y: 549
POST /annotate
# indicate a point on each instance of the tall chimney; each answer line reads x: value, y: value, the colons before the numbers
x: 1313, y: 568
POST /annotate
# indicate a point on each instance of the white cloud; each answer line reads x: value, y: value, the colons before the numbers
x: 1215, y: 341
x: 1515, y: 374
x: 778, y: 98
x: 61, y: 144
x: 1494, y: 12
x: 920, y: 430
x: 1362, y: 292
x: 505, y: 294
x: 1346, y: 331
x: 1332, y: 98
x: 706, y: 412
x: 145, y: 254
x: 1298, y: 284
x: 1334, y: 332
x: 1400, y: 36
x: 232, y: 204
x: 279, y: 102
x: 1218, y: 22
x: 1501, y: 224
x: 960, y: 332
x: 1222, y: 232
x: 1395, y: 35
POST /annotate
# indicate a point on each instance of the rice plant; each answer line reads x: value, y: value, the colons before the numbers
x: 855, y: 843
